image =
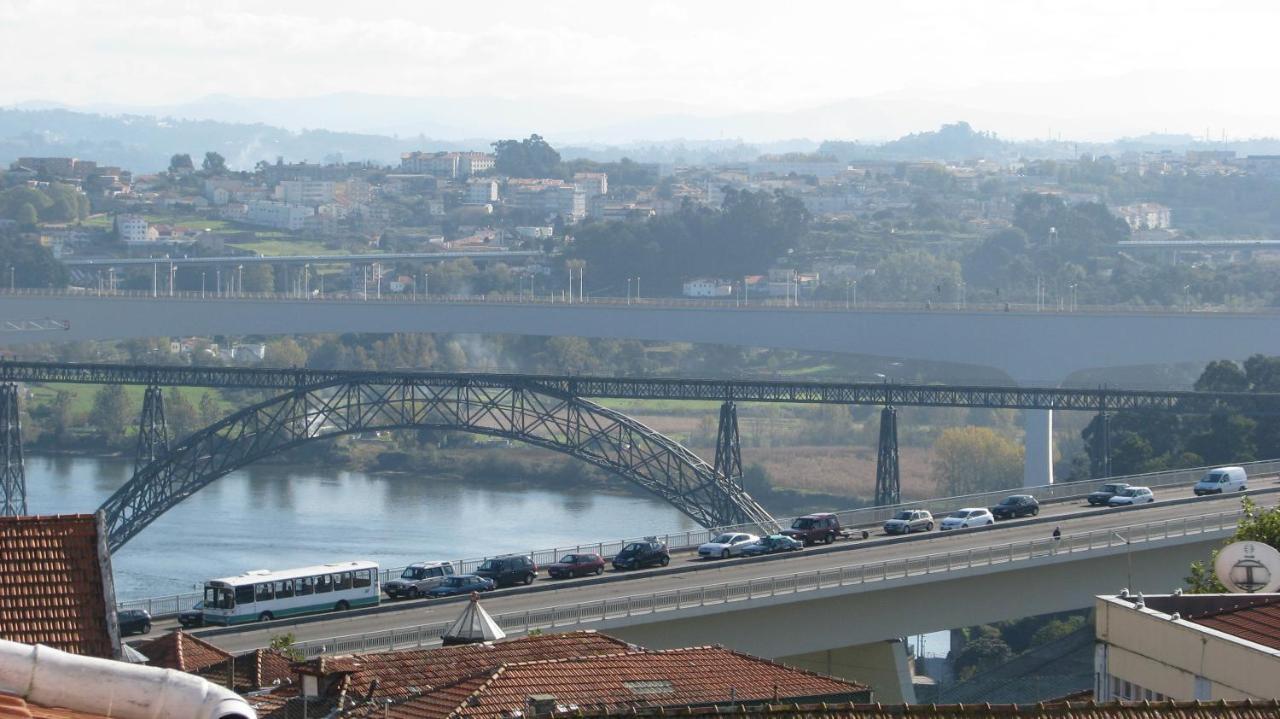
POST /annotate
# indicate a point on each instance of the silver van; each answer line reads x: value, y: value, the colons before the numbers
x: 418, y: 579
x: 1222, y: 480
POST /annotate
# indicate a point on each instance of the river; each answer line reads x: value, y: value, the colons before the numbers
x: 276, y: 517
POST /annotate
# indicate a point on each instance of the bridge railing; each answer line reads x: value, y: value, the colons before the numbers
x: 862, y: 518
x: 551, y: 618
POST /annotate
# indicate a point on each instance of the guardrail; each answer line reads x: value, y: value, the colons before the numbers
x: 861, y: 518
x: 724, y: 593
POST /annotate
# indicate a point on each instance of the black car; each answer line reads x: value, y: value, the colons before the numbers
x: 1106, y: 492
x: 461, y: 584
x: 133, y: 621
x: 509, y: 570
x: 193, y: 617
x: 771, y: 545
x: 638, y: 555
x: 1018, y: 505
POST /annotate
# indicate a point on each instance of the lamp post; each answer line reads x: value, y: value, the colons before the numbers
x: 1128, y: 552
x: 628, y: 290
x: 240, y: 281
x: 202, y: 274
x: 855, y: 294
x: 217, y: 279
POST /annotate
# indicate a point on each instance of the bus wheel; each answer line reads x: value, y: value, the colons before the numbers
x: 265, y: 617
x: 341, y: 606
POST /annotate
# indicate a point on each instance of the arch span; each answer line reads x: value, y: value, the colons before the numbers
x: 507, y: 407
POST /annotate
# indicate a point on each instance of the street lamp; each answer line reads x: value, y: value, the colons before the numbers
x: 1186, y: 297
x: 855, y: 294
x: 628, y: 290
x: 202, y: 274
x: 240, y: 273
x: 1128, y: 551
x: 1073, y: 297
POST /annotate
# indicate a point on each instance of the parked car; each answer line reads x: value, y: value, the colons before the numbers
x: 968, y: 517
x: 907, y: 521
x: 772, y: 544
x: 638, y: 555
x: 418, y: 579
x: 133, y: 621
x: 193, y: 617
x: 576, y: 565
x: 1017, y: 505
x: 1132, y: 495
x: 814, y: 528
x: 1106, y: 492
x: 509, y: 570
x: 461, y: 584
x: 726, y: 545
x: 1222, y: 479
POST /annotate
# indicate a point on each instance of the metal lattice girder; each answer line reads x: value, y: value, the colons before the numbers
x: 13, y: 478
x: 518, y: 411
x: 728, y: 461
x: 863, y: 393
x: 888, y: 481
x: 153, y: 432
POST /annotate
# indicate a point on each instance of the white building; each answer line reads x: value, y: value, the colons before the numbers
x: 481, y: 191
x: 548, y: 197
x: 134, y: 230
x: 448, y: 165
x: 305, y: 192
x: 1145, y: 216
x: 594, y: 184
x: 707, y: 287
x: 279, y: 215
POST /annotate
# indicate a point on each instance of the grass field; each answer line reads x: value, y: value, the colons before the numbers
x: 279, y: 247
x: 82, y: 396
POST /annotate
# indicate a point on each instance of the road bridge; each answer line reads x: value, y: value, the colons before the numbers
x: 233, y: 261
x: 830, y: 606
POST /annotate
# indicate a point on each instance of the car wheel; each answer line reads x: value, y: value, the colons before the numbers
x: 266, y: 617
x: 599, y: 571
x: 341, y: 606
x: 724, y: 554
x: 414, y: 593
x: 528, y: 579
x: 929, y: 527
x: 664, y: 561
x: 146, y: 628
x: 1035, y: 511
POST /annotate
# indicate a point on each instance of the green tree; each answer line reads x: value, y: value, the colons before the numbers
x: 981, y: 654
x: 60, y: 416
x: 210, y: 410
x: 1057, y: 629
x: 259, y: 278
x: 111, y: 414
x: 26, y: 215
x: 181, y: 163
x: 967, y: 460
x: 531, y: 157
x: 1259, y: 524
x: 214, y: 163
x: 32, y: 264
x: 180, y: 414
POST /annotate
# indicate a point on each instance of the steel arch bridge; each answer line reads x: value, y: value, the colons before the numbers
x: 525, y: 411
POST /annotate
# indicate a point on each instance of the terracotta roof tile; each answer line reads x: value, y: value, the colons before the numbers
x: 258, y: 669
x: 181, y: 651
x: 1066, y: 710
x: 676, y: 677
x: 51, y: 584
x: 1255, y: 621
x: 14, y: 707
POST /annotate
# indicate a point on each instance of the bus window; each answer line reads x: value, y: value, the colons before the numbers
x: 244, y: 594
x: 284, y: 589
x: 324, y: 583
x: 306, y: 586
x: 362, y: 578
x: 343, y: 581
x: 264, y: 593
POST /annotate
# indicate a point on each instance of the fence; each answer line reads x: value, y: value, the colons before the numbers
x: 859, y: 574
x: 862, y: 518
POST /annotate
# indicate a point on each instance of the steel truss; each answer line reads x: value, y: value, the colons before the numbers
x: 888, y: 481
x: 13, y: 478
x: 153, y: 431
x: 728, y: 462
x: 866, y: 393
x: 530, y: 414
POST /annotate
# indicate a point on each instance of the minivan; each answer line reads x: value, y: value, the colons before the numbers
x: 418, y: 579
x: 1222, y: 480
x: 509, y: 570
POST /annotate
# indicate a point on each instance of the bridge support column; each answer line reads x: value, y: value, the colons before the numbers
x: 153, y: 432
x: 13, y: 477
x: 728, y: 462
x: 883, y: 666
x: 1106, y: 443
x: 888, y: 481
x: 1037, y: 466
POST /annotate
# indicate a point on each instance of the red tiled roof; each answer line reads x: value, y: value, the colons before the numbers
x: 14, y: 707
x: 51, y: 584
x: 181, y: 651
x: 675, y: 677
x: 1254, y: 621
x: 258, y: 669
x: 1066, y: 710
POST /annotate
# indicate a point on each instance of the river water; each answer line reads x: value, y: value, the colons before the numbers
x: 276, y: 517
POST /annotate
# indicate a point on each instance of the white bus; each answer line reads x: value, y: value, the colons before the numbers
x: 263, y: 595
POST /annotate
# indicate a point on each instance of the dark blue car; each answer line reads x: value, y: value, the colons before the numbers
x: 461, y: 584
x: 772, y: 544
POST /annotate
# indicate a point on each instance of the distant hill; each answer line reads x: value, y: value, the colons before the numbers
x: 952, y: 143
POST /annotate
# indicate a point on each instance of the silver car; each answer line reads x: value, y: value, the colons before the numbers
x: 907, y: 521
x: 418, y: 579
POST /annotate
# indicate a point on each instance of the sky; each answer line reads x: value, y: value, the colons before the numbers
x: 1202, y: 65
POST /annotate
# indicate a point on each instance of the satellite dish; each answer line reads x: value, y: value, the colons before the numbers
x: 1248, y: 568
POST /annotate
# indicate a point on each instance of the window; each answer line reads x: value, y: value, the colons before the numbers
x: 244, y: 594
x: 362, y: 578
x: 448, y: 569
x: 284, y: 589
x: 264, y: 592
x: 436, y: 572
x: 342, y: 581
x: 306, y: 586
x: 324, y: 583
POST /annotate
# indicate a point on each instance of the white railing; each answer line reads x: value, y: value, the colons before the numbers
x: 746, y: 590
x: 861, y: 518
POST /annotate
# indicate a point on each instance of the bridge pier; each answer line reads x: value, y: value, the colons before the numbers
x: 728, y: 461
x: 883, y: 666
x: 153, y: 431
x: 1037, y: 468
x: 13, y: 478
x: 888, y: 481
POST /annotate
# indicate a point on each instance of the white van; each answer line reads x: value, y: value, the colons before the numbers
x: 1221, y: 480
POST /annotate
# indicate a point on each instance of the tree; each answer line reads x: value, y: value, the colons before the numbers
x: 967, y: 460
x: 1259, y: 524
x: 26, y: 215
x: 981, y: 654
x: 180, y: 414
x: 111, y: 414
x: 181, y: 164
x: 214, y: 164
x: 32, y: 264
x: 60, y: 416
x: 1222, y: 376
x: 531, y: 157
x: 210, y: 411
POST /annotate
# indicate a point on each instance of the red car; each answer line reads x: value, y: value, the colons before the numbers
x: 576, y: 565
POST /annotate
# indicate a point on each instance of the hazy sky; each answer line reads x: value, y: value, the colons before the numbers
x: 1214, y: 60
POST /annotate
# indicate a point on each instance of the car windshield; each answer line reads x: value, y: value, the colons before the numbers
x: 413, y: 573
x: 570, y: 559
x: 632, y: 548
x: 490, y: 565
x: 1011, y: 500
x: 902, y: 515
x: 803, y: 523
x: 723, y: 539
x: 456, y: 581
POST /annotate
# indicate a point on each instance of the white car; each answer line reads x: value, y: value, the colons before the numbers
x: 968, y: 517
x: 1130, y: 496
x: 729, y: 544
